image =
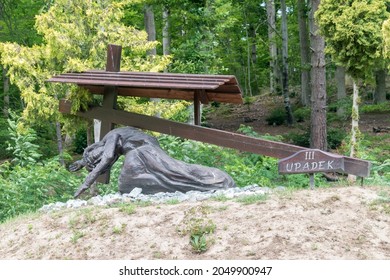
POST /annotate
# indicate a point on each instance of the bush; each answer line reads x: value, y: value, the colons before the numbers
x: 302, y: 114
x: 277, y: 117
x: 300, y: 139
x: 335, y: 138
x: 4, y: 138
x: 80, y: 141
x: 27, y: 188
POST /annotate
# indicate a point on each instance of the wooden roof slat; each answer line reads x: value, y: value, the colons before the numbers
x: 120, y: 75
x: 221, y: 88
x: 141, y: 80
x: 80, y: 81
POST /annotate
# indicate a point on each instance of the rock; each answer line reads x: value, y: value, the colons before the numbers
x: 135, y: 192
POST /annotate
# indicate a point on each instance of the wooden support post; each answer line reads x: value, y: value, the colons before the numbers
x: 197, y: 112
x: 110, y: 97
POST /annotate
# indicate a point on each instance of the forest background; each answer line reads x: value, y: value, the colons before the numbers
x: 276, y: 49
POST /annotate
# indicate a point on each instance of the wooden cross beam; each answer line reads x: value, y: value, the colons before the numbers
x: 244, y: 143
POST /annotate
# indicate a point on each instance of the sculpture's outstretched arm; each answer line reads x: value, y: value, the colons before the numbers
x: 107, y: 160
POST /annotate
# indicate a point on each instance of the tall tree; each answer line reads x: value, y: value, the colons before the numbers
x: 305, y: 54
x: 380, y: 86
x: 341, y: 91
x: 272, y: 46
x: 150, y: 26
x: 75, y: 38
x: 286, y: 94
x: 318, y: 124
x: 353, y: 33
x: 16, y: 24
x: 166, y: 32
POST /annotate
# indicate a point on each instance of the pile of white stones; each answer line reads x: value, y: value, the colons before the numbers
x: 158, y: 198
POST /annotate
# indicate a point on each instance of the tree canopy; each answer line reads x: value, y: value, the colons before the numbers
x: 352, y: 30
x: 75, y: 38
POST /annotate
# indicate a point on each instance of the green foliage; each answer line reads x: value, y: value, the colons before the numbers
x: 302, y: 114
x: 353, y: 34
x: 21, y: 143
x: 252, y: 199
x: 75, y: 38
x: 278, y: 116
x: 299, y: 138
x: 335, y: 138
x: 4, y: 139
x: 27, y: 188
x: 245, y: 168
x: 197, y: 224
x: 80, y: 141
x: 376, y: 108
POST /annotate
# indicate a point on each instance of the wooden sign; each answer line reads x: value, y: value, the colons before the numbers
x: 311, y: 161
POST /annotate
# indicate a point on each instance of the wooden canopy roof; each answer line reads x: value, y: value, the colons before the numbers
x: 221, y: 88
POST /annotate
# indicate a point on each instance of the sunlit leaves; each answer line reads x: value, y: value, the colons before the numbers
x: 75, y: 38
x: 352, y: 30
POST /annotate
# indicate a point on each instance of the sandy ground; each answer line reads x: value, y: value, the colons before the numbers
x: 331, y: 223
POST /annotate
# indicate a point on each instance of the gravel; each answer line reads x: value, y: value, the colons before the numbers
x: 136, y: 195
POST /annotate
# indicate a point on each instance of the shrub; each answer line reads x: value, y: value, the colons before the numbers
x: 302, y: 114
x: 80, y: 141
x: 27, y: 188
x: 277, y: 117
x: 335, y: 138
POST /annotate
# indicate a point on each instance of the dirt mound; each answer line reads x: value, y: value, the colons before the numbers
x: 327, y: 223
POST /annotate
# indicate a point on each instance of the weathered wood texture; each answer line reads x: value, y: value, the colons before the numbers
x: 213, y: 136
x: 311, y: 161
x: 220, y: 88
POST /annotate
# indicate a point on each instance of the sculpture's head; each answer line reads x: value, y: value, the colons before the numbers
x: 93, y: 155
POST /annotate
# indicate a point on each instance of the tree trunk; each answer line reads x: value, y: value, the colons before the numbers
x: 287, y: 104
x: 354, y: 126
x: 380, y: 89
x: 305, y: 56
x: 90, y: 133
x: 166, y: 36
x: 341, y: 92
x: 318, y: 131
x: 59, y: 144
x: 150, y: 26
x: 272, y: 46
x: 151, y: 30
x: 6, y: 92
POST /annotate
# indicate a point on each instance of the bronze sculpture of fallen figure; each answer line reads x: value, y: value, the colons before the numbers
x: 146, y: 166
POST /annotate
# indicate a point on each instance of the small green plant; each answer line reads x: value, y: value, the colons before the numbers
x: 198, y: 243
x: 172, y: 201
x: 221, y: 198
x: 251, y: 199
x: 127, y: 208
x: 119, y: 229
x: 199, y: 227
x: 76, y: 236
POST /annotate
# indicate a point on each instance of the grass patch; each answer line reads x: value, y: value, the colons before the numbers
x: 127, y: 208
x: 76, y: 236
x: 220, y: 198
x: 172, y: 201
x: 251, y: 199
